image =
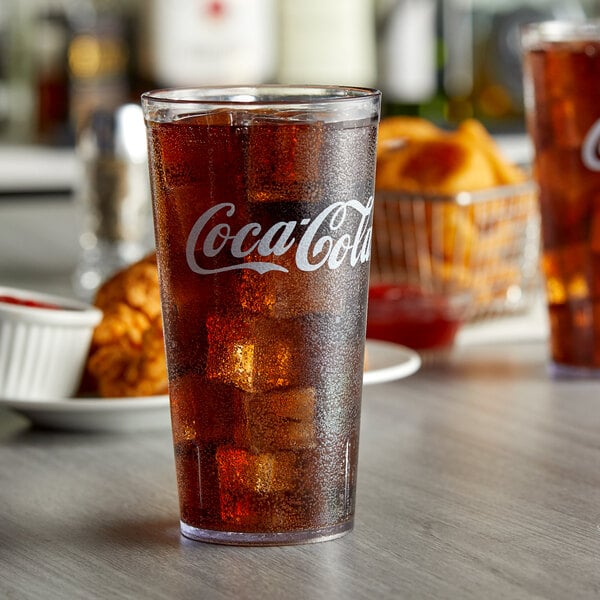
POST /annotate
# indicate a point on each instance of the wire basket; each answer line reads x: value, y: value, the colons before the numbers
x: 486, y: 241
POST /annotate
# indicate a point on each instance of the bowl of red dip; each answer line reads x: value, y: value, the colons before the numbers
x: 44, y: 341
x: 411, y: 316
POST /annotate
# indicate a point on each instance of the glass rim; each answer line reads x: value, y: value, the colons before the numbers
x: 259, y: 95
x: 556, y: 30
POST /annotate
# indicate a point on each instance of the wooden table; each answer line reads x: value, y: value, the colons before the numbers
x: 479, y: 478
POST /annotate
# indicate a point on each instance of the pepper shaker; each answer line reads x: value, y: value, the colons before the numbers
x: 113, y: 196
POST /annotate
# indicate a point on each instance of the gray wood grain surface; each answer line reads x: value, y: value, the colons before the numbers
x: 477, y: 479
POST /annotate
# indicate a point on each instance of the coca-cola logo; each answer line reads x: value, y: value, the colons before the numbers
x: 590, y: 150
x: 340, y: 232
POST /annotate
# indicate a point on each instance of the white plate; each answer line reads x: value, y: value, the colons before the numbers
x: 96, y: 414
x: 385, y: 362
x: 388, y: 362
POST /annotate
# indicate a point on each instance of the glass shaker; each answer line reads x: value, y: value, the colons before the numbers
x: 113, y: 196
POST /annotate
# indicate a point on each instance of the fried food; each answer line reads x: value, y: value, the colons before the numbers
x: 426, y: 230
x: 395, y: 131
x: 127, y: 352
x: 135, y: 286
x: 125, y: 369
x: 415, y: 155
x: 444, y: 165
x: 475, y: 133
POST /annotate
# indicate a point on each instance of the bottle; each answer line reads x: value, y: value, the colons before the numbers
x: 211, y: 42
x: 98, y: 60
x: 50, y: 40
x: 327, y: 42
x: 20, y: 73
x: 456, y: 84
x: 5, y: 24
x: 408, y: 55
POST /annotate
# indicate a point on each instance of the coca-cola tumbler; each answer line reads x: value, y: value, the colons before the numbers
x: 263, y: 198
x: 562, y: 97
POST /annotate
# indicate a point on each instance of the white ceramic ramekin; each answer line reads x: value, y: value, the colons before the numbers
x: 43, y: 350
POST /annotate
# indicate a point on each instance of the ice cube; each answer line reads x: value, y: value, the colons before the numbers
x: 291, y: 293
x: 254, y: 353
x: 281, y: 419
x: 201, y: 411
x: 564, y: 124
x: 258, y: 473
x: 257, y: 490
x: 568, y: 273
x: 572, y: 332
x: 309, y: 162
x: 284, y: 161
x: 567, y: 196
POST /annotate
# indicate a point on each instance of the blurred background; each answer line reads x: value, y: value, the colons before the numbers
x: 74, y: 197
x: 443, y: 59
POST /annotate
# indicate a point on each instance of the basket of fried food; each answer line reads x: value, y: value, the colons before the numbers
x: 452, y: 214
x: 126, y: 356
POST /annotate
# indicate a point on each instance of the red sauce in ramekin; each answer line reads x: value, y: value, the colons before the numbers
x: 404, y: 314
x: 30, y: 303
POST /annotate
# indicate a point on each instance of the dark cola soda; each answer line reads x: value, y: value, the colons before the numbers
x: 562, y: 67
x: 263, y: 226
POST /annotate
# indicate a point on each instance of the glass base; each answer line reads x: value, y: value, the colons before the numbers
x: 562, y: 371
x: 286, y: 538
